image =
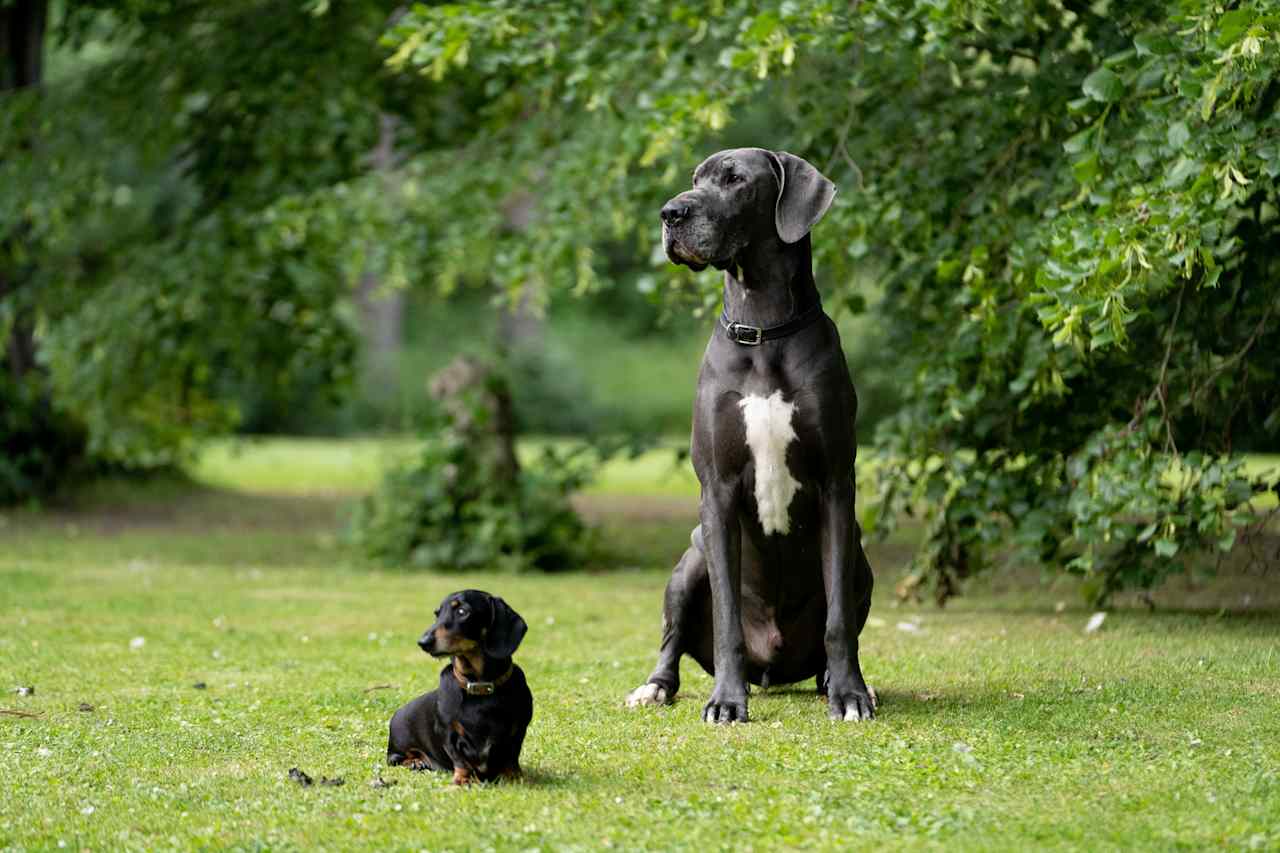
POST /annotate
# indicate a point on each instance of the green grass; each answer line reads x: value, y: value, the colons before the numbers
x: 1003, y: 725
x: 344, y: 466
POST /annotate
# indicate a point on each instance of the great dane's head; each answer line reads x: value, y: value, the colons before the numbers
x: 741, y: 196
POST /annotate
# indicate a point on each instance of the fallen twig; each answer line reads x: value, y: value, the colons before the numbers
x: 11, y: 712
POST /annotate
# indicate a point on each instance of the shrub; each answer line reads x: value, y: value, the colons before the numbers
x: 40, y: 448
x: 462, y: 503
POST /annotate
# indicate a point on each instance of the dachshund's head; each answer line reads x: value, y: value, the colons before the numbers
x: 472, y: 621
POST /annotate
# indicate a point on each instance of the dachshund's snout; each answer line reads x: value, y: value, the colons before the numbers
x: 427, y: 642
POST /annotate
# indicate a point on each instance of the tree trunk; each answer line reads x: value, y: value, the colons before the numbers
x: 22, y: 25
x: 22, y: 28
x: 382, y: 309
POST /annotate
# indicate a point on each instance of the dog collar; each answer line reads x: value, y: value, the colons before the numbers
x: 753, y: 336
x: 482, y: 688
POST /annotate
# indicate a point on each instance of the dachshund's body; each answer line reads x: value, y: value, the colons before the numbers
x: 475, y: 736
x: 474, y: 723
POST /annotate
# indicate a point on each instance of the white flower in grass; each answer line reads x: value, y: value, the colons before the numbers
x: 137, y: 643
x: 1095, y: 622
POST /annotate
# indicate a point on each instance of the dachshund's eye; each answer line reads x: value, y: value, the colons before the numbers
x: 464, y: 612
x: 732, y: 178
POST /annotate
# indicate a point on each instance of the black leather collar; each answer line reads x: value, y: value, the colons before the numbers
x: 481, y: 688
x: 752, y: 336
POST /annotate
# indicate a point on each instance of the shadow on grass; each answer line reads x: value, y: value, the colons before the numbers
x: 891, y: 703
x: 173, y: 501
x: 530, y: 777
x: 899, y: 704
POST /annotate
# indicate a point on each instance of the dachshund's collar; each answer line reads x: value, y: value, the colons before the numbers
x: 481, y: 688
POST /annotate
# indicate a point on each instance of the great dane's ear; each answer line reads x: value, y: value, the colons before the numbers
x: 804, y: 194
x: 505, y: 632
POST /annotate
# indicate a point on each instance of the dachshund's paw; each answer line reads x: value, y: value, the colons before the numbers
x: 416, y: 759
x: 461, y: 776
x: 649, y: 694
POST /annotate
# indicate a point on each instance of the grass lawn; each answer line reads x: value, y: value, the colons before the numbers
x: 1002, y: 723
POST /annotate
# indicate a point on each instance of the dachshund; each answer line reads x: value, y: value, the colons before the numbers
x: 474, y: 723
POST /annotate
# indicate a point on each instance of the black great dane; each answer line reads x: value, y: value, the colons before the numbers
x: 774, y: 587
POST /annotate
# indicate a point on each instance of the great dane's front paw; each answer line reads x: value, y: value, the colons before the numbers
x: 851, y: 704
x: 650, y: 694
x: 726, y: 706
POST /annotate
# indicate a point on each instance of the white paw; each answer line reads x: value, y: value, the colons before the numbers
x: 875, y: 700
x: 647, y: 694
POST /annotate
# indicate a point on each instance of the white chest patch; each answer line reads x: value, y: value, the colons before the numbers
x: 769, y: 433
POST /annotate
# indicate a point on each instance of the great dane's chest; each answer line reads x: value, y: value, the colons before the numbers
x: 755, y: 432
x: 776, y: 458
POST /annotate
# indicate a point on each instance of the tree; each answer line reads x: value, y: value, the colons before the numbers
x: 1078, y: 199
x: 35, y: 442
x: 185, y: 209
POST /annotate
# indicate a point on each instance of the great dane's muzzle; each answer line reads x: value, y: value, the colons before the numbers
x: 686, y: 231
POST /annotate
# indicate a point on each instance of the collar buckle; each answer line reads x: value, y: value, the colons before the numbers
x: 741, y: 333
x: 481, y: 688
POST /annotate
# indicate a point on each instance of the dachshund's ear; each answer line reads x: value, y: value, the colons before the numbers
x: 804, y: 194
x: 505, y: 632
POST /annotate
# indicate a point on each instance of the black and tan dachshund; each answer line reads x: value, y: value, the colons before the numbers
x: 474, y: 723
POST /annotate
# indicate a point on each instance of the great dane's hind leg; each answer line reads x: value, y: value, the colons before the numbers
x: 681, y: 605
x: 847, y: 577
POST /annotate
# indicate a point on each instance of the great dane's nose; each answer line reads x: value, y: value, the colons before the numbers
x: 674, y: 210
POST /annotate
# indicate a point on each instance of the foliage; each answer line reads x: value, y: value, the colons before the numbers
x: 158, y: 220
x: 40, y: 448
x: 1079, y: 199
x: 455, y: 506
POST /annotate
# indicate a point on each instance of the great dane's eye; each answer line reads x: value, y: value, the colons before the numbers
x: 732, y: 178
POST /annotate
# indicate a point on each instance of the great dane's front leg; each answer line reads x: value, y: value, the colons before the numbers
x: 847, y: 578
x: 722, y: 533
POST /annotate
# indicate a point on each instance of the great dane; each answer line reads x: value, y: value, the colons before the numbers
x: 774, y: 587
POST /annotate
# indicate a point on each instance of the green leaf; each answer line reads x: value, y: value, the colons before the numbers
x: 856, y: 303
x: 1153, y: 44
x: 1104, y: 86
x: 1232, y: 25
x: 1086, y: 168
x: 1178, y: 134
x: 1079, y: 141
x: 1166, y: 547
x: 1181, y: 171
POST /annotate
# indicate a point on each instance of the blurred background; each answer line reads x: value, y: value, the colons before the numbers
x: 1052, y: 258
